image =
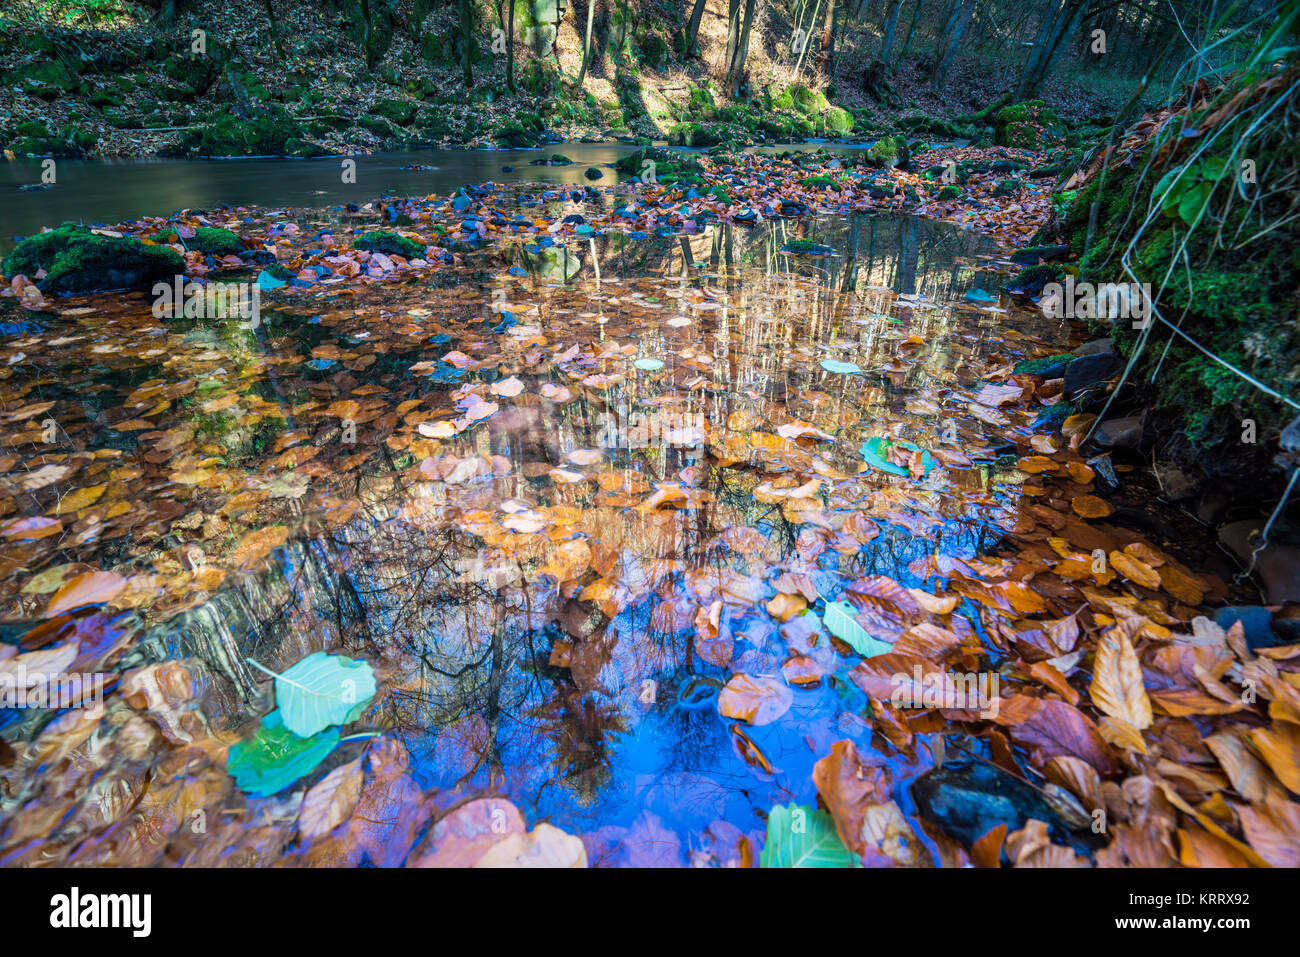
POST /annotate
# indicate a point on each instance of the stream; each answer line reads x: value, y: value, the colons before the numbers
x: 531, y: 596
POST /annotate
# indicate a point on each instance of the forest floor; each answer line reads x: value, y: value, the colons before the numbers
x: 137, y: 90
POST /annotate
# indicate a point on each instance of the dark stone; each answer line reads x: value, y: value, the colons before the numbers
x: 1125, y: 433
x: 1033, y: 255
x: 1257, y: 623
x: 967, y: 799
x: 1088, y: 372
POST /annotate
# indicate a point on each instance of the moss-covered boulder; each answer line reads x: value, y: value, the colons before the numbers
x: 77, y: 260
x: 214, y: 241
x: 398, y: 111
x: 45, y: 78
x: 697, y: 134
x: 266, y: 133
x: 838, y: 122
x: 390, y: 244
x: 889, y: 151
x: 1031, y: 124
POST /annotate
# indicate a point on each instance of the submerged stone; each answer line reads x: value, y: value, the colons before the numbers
x: 967, y: 800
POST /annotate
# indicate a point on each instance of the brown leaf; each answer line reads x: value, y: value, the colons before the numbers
x: 1117, y: 687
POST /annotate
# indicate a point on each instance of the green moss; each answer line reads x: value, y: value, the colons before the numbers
x: 1047, y: 364
x: 78, y: 261
x: 263, y: 134
x: 889, y: 151
x: 390, y: 244
x: 1031, y: 124
x: 398, y: 111
x: 214, y: 241
x: 819, y: 182
x: 950, y: 191
x: 1008, y: 187
x: 838, y: 121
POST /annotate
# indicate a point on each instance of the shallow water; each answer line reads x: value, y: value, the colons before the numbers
x: 110, y: 191
x: 571, y: 678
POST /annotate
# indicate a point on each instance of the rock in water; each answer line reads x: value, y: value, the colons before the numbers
x: 967, y: 799
x: 1088, y: 372
x: 1125, y: 433
x: 78, y: 261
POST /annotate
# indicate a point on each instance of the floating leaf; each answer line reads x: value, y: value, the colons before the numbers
x: 842, y: 368
x: 323, y: 690
x: 798, y: 836
x: 840, y: 620
x: 275, y: 757
x: 756, y: 700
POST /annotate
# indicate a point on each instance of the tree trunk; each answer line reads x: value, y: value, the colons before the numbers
x: 826, y: 44
x: 510, y: 50
x: 733, y: 34
x: 1060, y: 19
x: 692, y: 29
x: 958, y: 24
x: 891, y: 30
x: 275, y: 28
x: 911, y: 32
x: 586, y: 43
x: 737, y: 73
x: 466, y: 42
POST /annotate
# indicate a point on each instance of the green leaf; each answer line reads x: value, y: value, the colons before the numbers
x: 798, y: 836
x: 841, y: 622
x: 323, y: 690
x: 840, y: 367
x: 275, y: 757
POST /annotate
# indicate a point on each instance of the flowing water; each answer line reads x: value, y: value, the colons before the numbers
x: 553, y: 593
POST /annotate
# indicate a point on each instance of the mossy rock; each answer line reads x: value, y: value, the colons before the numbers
x: 807, y: 101
x: 390, y: 244
x: 700, y: 106
x: 819, y: 182
x: 838, y: 121
x: 79, y: 261
x: 951, y: 191
x: 397, y: 111
x: 214, y: 241
x: 1031, y: 125
x: 1030, y: 281
x: 512, y: 132
x: 697, y: 134
x: 1049, y: 367
x: 1008, y: 187
x: 36, y: 128
x: 266, y: 133
x: 889, y: 151
x: 42, y: 77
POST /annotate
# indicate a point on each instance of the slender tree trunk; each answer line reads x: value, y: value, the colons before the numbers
x: 958, y: 24
x: 586, y: 43
x: 742, y: 51
x: 826, y: 43
x: 275, y: 28
x: 692, y: 29
x: 733, y: 34
x: 891, y: 29
x: 1061, y: 19
x: 911, y: 32
x: 466, y: 42
x: 798, y: 64
x: 510, y: 50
